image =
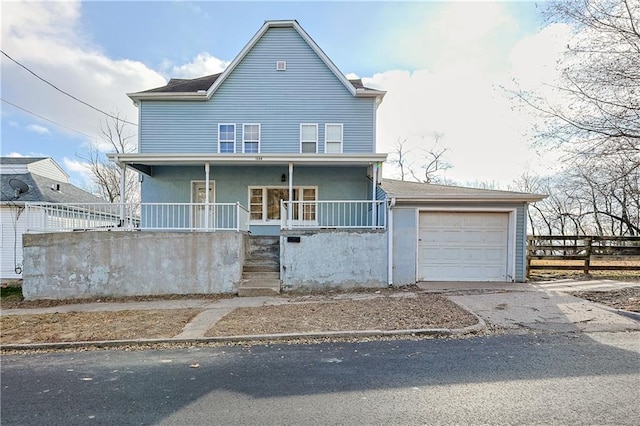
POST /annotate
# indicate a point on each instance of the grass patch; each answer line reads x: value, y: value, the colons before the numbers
x: 93, y: 326
x: 10, y: 295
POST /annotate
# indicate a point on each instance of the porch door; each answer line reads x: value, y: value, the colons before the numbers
x: 198, y: 198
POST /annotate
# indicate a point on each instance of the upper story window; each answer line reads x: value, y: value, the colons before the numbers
x: 226, y: 138
x: 251, y: 138
x: 309, y: 138
x: 333, y: 138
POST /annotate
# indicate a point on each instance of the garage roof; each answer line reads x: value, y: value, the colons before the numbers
x: 418, y: 192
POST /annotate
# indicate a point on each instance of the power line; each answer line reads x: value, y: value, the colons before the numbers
x: 66, y: 93
x: 46, y: 119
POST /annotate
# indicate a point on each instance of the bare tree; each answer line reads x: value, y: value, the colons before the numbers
x: 116, y: 137
x: 400, y: 157
x: 434, y: 162
x: 431, y: 162
x: 598, y: 110
x: 594, y: 115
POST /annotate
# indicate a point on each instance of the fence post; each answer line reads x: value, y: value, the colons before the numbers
x: 587, y: 260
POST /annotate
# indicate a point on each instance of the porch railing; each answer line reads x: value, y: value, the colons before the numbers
x: 57, y: 217
x: 364, y: 214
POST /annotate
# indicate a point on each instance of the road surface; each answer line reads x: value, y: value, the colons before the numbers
x: 573, y: 378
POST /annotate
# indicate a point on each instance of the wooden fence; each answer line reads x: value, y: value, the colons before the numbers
x: 579, y: 253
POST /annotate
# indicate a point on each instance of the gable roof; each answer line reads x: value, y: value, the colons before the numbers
x: 43, y: 189
x: 420, y: 192
x: 204, y: 87
x: 20, y: 160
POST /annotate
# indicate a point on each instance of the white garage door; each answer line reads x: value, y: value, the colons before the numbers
x: 457, y: 246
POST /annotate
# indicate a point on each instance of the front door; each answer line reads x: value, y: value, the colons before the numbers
x: 198, y: 199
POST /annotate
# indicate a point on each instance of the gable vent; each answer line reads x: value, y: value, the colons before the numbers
x: 281, y: 65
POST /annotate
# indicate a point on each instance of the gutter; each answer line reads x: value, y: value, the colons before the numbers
x: 392, y: 203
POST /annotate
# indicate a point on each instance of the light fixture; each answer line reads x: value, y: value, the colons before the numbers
x: 283, y: 178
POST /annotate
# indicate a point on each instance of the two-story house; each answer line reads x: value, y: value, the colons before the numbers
x: 280, y: 123
x: 266, y: 177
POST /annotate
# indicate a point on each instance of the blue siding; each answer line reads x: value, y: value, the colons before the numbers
x: 307, y: 92
x: 521, y: 243
x: 172, y: 184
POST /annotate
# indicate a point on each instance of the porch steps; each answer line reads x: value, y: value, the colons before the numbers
x: 261, y: 269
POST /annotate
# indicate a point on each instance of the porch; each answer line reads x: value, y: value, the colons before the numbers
x: 201, y: 217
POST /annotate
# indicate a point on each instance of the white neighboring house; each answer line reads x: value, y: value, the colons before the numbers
x: 46, y: 182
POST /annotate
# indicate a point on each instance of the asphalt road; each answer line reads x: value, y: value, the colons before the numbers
x: 511, y: 379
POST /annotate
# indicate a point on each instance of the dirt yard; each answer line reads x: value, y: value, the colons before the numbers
x: 384, y: 313
x: 324, y: 312
x: 93, y: 326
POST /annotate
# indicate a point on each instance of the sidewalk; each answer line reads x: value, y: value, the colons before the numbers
x: 541, y: 306
x: 513, y: 306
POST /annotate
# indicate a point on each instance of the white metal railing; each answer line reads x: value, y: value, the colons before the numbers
x: 56, y: 217
x: 365, y: 214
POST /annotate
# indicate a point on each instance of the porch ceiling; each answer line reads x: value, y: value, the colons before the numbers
x: 144, y: 162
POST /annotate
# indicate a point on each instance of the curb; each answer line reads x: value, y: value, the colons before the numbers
x: 481, y: 325
x: 628, y: 314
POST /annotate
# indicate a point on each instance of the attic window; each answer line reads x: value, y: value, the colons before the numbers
x: 281, y: 65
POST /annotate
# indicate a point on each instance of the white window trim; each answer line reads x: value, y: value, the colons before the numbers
x: 316, y: 141
x: 234, y: 137
x: 264, y: 220
x: 259, y: 137
x: 341, y: 138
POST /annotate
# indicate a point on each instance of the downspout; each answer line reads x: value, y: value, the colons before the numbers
x: 290, y: 209
x: 206, y: 196
x: 374, y: 208
x: 390, y: 243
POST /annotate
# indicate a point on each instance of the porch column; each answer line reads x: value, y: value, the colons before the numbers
x: 374, y: 187
x: 206, y: 196
x: 290, y: 209
x: 123, y: 180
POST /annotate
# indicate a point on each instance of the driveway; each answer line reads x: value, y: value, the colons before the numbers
x: 544, y: 306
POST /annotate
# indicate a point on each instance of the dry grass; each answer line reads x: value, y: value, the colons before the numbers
x: 93, y: 326
x: 624, y: 298
x: 549, y: 274
x: 11, y: 298
x: 382, y: 313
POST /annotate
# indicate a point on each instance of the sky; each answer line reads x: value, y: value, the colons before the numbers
x: 444, y: 65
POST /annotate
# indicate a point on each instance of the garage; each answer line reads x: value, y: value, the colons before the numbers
x: 452, y: 233
x: 463, y: 246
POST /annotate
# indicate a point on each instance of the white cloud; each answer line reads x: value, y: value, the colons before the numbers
x: 78, y: 167
x: 352, y: 76
x: 16, y: 155
x: 44, y: 37
x: 36, y: 128
x: 534, y: 59
x: 460, y: 95
x: 203, y: 64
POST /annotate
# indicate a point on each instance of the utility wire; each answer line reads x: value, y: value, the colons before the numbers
x: 46, y: 119
x: 66, y: 93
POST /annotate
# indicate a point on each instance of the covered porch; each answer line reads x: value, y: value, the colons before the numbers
x: 262, y: 193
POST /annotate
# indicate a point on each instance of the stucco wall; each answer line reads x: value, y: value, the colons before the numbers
x: 88, y: 264
x: 333, y: 259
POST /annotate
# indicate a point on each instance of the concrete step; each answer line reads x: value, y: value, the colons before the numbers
x: 264, y: 242
x: 248, y: 275
x: 261, y: 267
x: 257, y: 291
x: 259, y: 286
x: 260, y: 255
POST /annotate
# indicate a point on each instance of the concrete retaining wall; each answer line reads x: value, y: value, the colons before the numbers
x: 89, y: 264
x: 333, y: 259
